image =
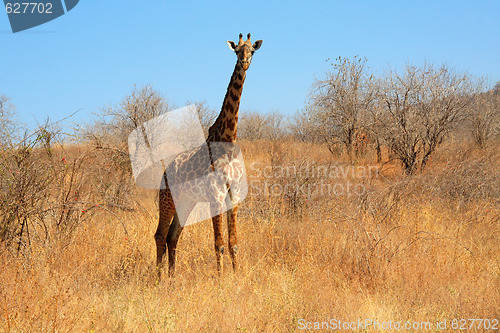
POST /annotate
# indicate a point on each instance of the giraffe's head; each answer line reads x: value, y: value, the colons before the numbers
x: 244, y: 50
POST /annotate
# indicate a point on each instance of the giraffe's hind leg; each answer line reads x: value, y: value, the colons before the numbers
x: 174, y: 233
x: 166, y: 213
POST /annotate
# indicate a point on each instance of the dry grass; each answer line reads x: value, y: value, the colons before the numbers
x: 418, y: 249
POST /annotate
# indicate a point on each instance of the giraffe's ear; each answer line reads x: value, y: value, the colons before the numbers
x: 257, y: 44
x: 232, y: 45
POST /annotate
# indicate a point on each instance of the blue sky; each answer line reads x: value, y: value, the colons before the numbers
x: 92, y: 56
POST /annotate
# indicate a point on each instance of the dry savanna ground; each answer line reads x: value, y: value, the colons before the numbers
x: 320, y: 240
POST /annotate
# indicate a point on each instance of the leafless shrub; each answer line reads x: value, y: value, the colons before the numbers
x: 411, y: 112
x: 274, y: 126
x: 8, y: 127
x: 485, y: 118
x: 48, y: 190
x: 250, y: 125
x: 114, y: 124
x: 109, y: 134
x: 340, y: 101
x: 206, y: 114
x: 377, y: 221
x: 302, y: 127
x: 256, y: 126
x: 42, y: 191
x: 465, y: 182
x: 418, y: 108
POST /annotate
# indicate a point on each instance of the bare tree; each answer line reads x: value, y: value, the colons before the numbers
x: 397, y: 121
x: 302, y: 127
x: 8, y: 123
x: 251, y: 125
x: 273, y: 126
x: 496, y: 88
x: 206, y: 114
x: 340, y: 100
x: 485, y: 117
x: 109, y: 134
x: 114, y: 124
x: 443, y: 104
x: 418, y: 108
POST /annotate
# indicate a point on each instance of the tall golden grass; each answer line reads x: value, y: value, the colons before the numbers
x: 407, y: 249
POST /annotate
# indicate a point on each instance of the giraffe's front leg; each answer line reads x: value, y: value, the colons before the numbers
x: 232, y: 200
x: 219, y: 242
x: 233, y: 240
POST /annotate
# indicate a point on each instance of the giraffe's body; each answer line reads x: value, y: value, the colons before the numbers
x: 219, y: 164
x: 199, y: 176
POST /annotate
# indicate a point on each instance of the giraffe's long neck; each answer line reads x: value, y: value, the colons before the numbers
x: 225, y: 127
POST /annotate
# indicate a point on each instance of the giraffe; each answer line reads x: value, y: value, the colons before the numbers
x: 191, y: 164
